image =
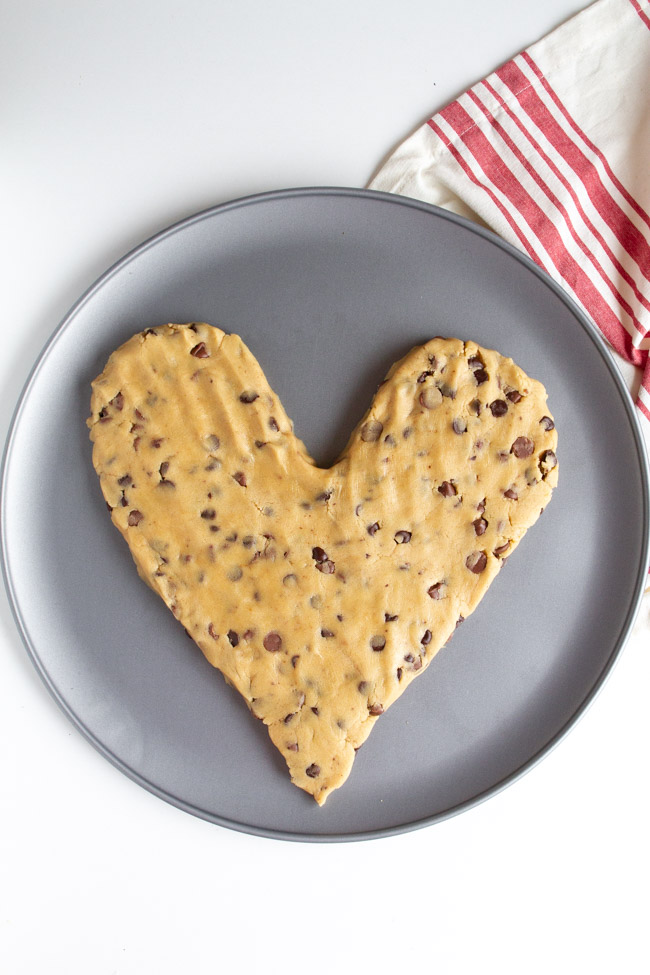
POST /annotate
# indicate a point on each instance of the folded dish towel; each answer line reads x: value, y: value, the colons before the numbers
x: 552, y: 152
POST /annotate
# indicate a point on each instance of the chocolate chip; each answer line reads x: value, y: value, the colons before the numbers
x: 499, y: 407
x: 390, y: 617
x: 378, y: 643
x: 213, y: 633
x: 240, y: 477
x: 319, y: 554
x: 399, y: 673
x: 363, y: 686
x: 324, y: 496
x: 426, y: 638
x: 448, y: 391
x: 513, y: 395
x: 547, y: 423
x: 423, y: 375
x: 118, y: 402
x: 480, y: 507
x: 475, y: 362
x: 435, y: 590
x: 417, y: 665
x: 233, y: 637
x: 327, y: 567
x: 376, y: 709
x: 248, y: 396
x: 447, y: 489
x: 272, y: 642
x: 476, y: 562
x: 162, y: 470
x: 313, y: 771
x: 480, y: 526
x: 461, y: 619
x: 273, y: 424
x: 501, y: 550
x: 295, y: 659
x: 248, y: 541
x: 326, y: 634
x: 126, y: 480
x: 475, y: 407
x: 547, y: 461
x: 522, y: 447
x: 208, y: 514
x: 292, y: 746
x: 402, y: 537
x: 135, y: 517
x: 406, y: 432
x: 315, y: 711
x: 430, y: 397
x: 459, y: 425
x: 371, y: 431
x: 103, y: 415
x: 199, y: 351
x: 260, y: 443
x: 512, y: 494
x: 373, y: 529
x: 481, y: 376
x: 389, y: 439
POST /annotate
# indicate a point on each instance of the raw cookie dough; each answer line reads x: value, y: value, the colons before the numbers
x: 319, y: 594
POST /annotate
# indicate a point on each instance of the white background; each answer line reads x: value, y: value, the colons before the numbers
x: 119, y: 118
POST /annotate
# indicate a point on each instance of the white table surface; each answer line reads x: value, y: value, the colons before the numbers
x: 118, y: 118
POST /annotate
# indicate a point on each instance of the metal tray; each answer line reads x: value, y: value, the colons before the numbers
x: 328, y: 287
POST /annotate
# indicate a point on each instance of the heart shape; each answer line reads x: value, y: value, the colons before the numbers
x: 319, y: 594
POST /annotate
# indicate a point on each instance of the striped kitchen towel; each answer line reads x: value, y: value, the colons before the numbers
x: 552, y: 152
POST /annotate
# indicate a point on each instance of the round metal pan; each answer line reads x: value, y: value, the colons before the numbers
x: 328, y: 287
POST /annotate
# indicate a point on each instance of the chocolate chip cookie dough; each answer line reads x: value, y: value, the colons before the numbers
x: 319, y: 594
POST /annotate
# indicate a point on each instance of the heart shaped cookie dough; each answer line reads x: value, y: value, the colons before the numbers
x: 319, y: 594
